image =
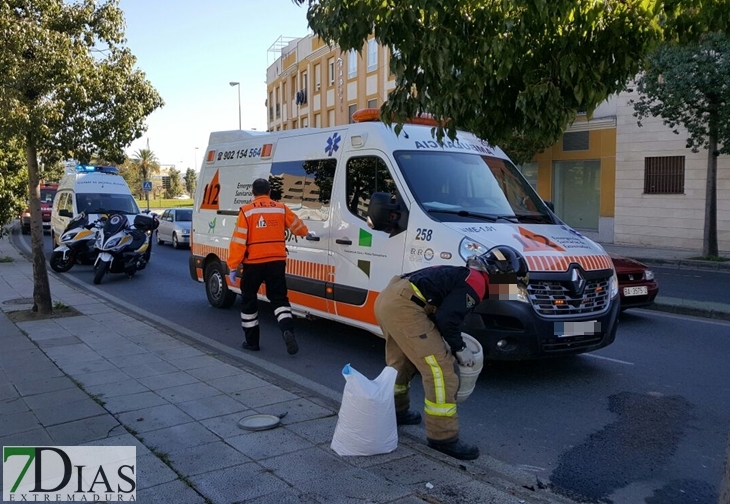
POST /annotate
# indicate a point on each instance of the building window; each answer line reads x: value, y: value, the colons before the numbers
x: 331, y: 71
x: 331, y: 117
x: 575, y: 141
x: 305, y: 122
x: 303, y: 82
x: 372, y: 55
x: 373, y: 103
x: 317, y: 120
x: 351, y: 109
x: 317, y: 77
x: 664, y: 175
x: 529, y: 171
x: 352, y: 64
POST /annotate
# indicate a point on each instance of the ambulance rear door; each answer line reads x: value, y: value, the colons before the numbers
x: 302, y: 174
x: 365, y: 260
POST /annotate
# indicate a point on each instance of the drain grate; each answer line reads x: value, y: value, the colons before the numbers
x: 19, y: 301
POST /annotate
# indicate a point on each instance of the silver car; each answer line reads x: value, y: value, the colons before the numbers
x: 175, y: 227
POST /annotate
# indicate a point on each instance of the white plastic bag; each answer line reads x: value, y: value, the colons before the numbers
x: 366, y: 423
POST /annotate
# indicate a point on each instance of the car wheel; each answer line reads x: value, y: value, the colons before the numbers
x: 175, y: 242
x: 216, y: 287
x: 159, y: 242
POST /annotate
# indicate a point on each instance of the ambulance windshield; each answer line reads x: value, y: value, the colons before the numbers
x: 446, y: 184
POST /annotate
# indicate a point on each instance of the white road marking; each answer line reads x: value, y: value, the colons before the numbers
x: 609, y: 359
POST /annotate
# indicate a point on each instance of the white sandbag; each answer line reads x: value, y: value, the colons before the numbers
x: 366, y: 422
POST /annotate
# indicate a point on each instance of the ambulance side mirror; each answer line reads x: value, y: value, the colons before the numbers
x: 550, y: 205
x: 380, y: 211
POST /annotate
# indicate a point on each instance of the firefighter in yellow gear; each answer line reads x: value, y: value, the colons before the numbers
x: 421, y: 315
x: 259, y: 243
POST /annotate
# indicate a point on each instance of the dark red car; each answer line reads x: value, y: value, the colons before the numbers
x: 636, y: 284
x: 48, y: 192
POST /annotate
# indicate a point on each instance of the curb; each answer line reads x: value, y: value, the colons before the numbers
x: 690, y: 310
x: 686, y: 263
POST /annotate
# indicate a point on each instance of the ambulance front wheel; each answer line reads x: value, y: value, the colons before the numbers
x: 216, y: 288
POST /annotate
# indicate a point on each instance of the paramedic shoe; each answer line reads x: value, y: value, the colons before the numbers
x: 291, y: 343
x: 407, y: 417
x: 252, y: 348
x: 456, y: 449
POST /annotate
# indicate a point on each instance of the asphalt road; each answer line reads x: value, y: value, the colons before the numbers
x: 699, y: 285
x: 643, y: 420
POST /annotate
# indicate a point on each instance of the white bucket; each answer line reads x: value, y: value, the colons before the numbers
x: 468, y: 375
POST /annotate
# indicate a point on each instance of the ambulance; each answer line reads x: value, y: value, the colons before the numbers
x: 92, y: 189
x: 379, y: 204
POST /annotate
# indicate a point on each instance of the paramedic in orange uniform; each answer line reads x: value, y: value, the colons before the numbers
x: 259, y: 243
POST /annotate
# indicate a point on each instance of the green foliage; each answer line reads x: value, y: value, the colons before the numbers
x: 13, y: 182
x: 175, y: 188
x: 514, y: 72
x: 503, y: 70
x: 191, y: 181
x: 687, y: 85
x: 68, y: 85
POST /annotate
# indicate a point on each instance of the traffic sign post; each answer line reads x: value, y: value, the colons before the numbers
x: 147, y: 186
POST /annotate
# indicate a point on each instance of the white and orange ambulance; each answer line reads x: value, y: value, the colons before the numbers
x: 449, y: 201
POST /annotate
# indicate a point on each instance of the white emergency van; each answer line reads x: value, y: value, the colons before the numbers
x: 93, y: 189
x: 449, y: 201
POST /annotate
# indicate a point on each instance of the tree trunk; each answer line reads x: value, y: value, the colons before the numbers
x: 709, y: 243
x: 41, y: 290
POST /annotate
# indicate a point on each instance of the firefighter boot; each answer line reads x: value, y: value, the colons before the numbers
x: 251, y: 342
x: 407, y: 417
x: 455, y: 448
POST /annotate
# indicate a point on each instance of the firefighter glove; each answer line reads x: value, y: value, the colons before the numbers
x: 232, y: 276
x: 465, y: 357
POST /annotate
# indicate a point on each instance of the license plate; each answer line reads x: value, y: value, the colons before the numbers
x: 566, y: 329
x: 635, y: 291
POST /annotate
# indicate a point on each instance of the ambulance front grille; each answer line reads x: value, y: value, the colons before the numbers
x: 555, y: 299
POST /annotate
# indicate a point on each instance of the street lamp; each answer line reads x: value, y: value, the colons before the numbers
x: 239, y: 101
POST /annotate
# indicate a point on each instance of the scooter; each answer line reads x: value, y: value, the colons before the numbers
x: 123, y: 248
x: 76, y: 244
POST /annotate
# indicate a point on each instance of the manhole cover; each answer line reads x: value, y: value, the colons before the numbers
x: 19, y: 301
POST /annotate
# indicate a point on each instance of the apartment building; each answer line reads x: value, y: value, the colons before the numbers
x: 608, y: 178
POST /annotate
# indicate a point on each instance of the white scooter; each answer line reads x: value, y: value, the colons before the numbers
x: 123, y: 248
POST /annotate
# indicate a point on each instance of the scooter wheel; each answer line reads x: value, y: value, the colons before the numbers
x: 99, y: 272
x: 59, y: 264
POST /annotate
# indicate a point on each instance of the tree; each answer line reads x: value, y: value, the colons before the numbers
x: 13, y: 183
x: 687, y: 85
x: 191, y: 180
x: 175, y: 187
x: 68, y: 89
x: 146, y: 163
x: 513, y: 72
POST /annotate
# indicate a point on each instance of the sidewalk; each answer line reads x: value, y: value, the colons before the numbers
x: 104, y: 377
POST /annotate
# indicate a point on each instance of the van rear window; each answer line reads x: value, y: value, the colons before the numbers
x: 104, y: 203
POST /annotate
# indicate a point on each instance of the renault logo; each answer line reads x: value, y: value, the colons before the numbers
x: 578, y: 282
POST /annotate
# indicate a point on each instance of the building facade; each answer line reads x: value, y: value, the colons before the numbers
x: 608, y: 178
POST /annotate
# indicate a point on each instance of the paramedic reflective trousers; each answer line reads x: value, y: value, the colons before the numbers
x: 412, y: 342
x: 273, y: 274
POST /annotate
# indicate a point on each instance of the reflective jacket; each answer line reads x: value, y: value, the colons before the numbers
x: 454, y: 291
x: 260, y: 233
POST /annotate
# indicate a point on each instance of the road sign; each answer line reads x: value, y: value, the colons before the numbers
x: 147, y: 185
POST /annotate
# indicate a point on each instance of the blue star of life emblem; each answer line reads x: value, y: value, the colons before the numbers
x: 333, y: 144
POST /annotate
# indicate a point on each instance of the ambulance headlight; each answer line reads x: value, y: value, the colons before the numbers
x: 469, y: 247
x: 613, y: 285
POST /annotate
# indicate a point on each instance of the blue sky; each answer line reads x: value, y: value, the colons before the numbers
x: 190, y: 50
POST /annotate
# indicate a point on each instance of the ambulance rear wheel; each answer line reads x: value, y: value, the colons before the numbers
x: 216, y: 288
